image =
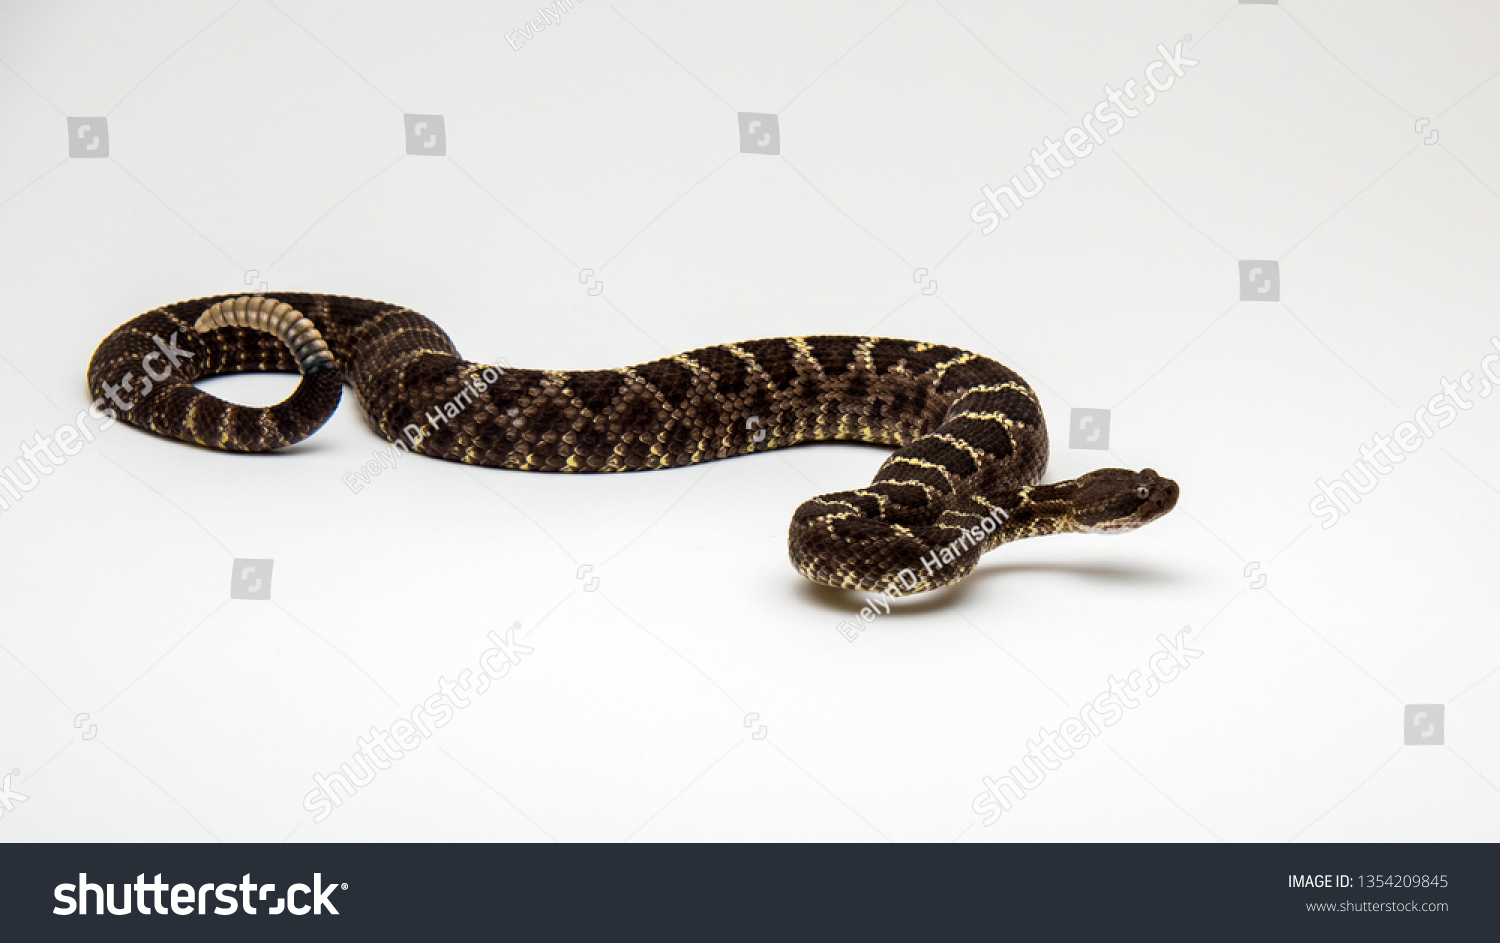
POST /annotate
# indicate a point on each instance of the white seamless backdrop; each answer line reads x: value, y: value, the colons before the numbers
x: 595, y: 196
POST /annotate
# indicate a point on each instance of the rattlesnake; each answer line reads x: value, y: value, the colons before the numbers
x: 970, y: 437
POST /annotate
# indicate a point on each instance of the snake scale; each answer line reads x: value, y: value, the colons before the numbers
x: 971, y: 442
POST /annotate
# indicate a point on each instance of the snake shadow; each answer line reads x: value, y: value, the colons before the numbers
x: 843, y: 601
x: 308, y: 446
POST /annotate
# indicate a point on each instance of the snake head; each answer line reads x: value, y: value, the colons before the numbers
x: 1116, y: 500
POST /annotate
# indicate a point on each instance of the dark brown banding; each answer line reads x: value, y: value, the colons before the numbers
x: 970, y: 432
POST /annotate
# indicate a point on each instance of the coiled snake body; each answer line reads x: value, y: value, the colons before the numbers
x: 970, y: 437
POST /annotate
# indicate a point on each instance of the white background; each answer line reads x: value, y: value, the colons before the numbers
x: 268, y: 137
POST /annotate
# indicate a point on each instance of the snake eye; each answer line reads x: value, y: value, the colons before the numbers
x: 1143, y: 492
